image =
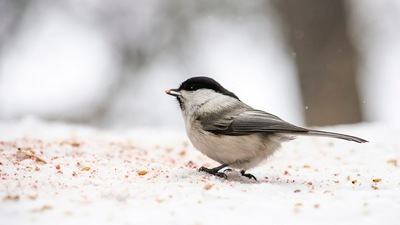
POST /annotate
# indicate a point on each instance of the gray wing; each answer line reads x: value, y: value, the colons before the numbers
x: 251, y: 121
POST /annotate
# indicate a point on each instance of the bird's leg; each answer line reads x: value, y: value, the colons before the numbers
x: 215, y: 171
x: 248, y: 175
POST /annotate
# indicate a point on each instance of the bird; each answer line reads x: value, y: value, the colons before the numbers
x: 230, y: 132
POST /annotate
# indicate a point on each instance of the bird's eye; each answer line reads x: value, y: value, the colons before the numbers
x: 192, y: 87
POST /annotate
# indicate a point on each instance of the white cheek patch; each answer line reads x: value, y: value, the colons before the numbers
x: 193, y: 100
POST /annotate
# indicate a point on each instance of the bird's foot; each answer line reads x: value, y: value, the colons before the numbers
x: 248, y: 175
x: 228, y: 170
x: 215, y: 171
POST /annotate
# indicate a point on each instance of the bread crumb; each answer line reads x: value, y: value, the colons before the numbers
x: 29, y: 154
x: 377, y: 180
x: 392, y: 161
x: 11, y: 198
x: 142, y: 172
x: 86, y: 168
x: 208, y: 187
x: 43, y: 208
x: 160, y: 200
x: 75, y: 144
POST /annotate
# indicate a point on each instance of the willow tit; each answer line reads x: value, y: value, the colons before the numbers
x: 230, y: 132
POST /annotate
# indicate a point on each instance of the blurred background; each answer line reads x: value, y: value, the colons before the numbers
x: 107, y: 63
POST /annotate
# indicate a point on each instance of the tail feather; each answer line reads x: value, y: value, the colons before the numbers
x: 335, y: 135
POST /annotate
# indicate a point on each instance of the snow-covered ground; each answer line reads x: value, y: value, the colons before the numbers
x: 55, y: 173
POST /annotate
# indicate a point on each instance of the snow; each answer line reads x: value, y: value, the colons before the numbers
x: 73, y: 174
x: 62, y: 67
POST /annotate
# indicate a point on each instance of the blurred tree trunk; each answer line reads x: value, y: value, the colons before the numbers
x: 325, y: 58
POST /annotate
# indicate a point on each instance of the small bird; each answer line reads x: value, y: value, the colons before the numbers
x: 230, y: 132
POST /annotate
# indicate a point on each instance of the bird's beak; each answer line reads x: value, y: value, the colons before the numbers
x: 173, y: 92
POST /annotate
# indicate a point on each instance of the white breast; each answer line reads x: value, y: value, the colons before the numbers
x: 241, y: 152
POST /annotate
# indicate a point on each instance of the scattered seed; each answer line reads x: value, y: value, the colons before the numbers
x: 208, y: 187
x: 377, y: 180
x: 86, y: 168
x: 11, y: 198
x: 392, y: 161
x: 142, y: 172
x: 75, y: 144
x: 374, y: 187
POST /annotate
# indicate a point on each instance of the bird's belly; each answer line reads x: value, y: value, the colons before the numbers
x: 241, y: 152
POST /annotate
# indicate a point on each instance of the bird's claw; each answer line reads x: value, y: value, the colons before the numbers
x: 214, y: 172
x: 248, y: 175
x: 228, y: 170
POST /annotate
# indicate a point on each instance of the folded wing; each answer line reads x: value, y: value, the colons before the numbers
x: 251, y: 121
x: 256, y: 121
